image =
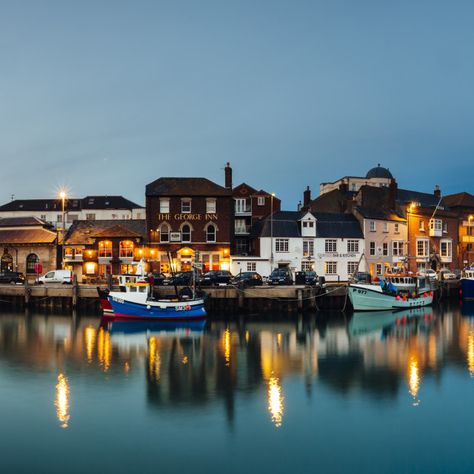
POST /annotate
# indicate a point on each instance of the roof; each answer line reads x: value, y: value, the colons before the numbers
x: 459, y: 200
x: 286, y: 224
x: 405, y: 196
x: 29, y: 221
x: 334, y: 201
x: 71, y: 204
x: 379, y: 172
x: 27, y: 236
x: 86, y: 232
x: 379, y: 214
x: 185, y: 187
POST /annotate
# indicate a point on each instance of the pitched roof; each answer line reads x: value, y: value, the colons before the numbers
x: 185, y: 187
x: 284, y: 223
x: 29, y: 221
x: 405, y: 196
x: 459, y: 200
x: 85, y: 232
x: 333, y: 201
x: 27, y: 236
x: 71, y: 204
x: 380, y: 214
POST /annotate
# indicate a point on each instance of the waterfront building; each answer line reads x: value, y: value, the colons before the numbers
x: 250, y: 206
x: 29, y: 246
x: 462, y: 204
x: 87, y: 208
x: 96, y: 248
x: 190, y: 220
x: 330, y: 244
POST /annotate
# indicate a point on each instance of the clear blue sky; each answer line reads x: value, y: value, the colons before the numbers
x: 104, y: 96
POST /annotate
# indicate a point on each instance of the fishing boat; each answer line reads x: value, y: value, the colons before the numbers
x: 386, y: 296
x: 467, y: 284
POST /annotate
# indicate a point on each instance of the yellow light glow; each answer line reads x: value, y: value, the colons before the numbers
x: 90, y: 335
x: 185, y: 360
x: 275, y: 401
x: 104, y: 349
x: 226, y: 251
x: 226, y: 345
x: 414, y: 379
x: 62, y: 400
x: 154, y: 360
x: 225, y: 266
x: 470, y: 352
x: 126, y: 367
x: 279, y: 340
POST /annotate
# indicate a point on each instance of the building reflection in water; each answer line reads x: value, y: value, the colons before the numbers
x: 104, y: 349
x: 414, y: 378
x: 275, y: 401
x: 90, y: 337
x: 226, y: 346
x: 62, y: 400
x: 154, y: 360
x: 470, y: 352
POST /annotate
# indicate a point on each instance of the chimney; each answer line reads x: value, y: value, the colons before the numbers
x: 392, y: 194
x: 228, y: 176
x: 437, y: 191
x: 306, y: 197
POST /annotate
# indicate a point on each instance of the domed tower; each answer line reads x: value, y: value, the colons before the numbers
x: 379, y: 172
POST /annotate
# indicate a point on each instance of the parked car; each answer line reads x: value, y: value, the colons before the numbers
x: 429, y: 273
x: 12, y: 277
x: 446, y: 274
x: 281, y: 276
x: 248, y: 279
x: 57, y: 276
x: 306, y: 278
x: 179, y: 279
x: 215, y: 278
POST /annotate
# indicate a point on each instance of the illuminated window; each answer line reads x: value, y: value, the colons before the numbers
x: 421, y: 225
x: 126, y: 249
x: 105, y: 249
x: 308, y: 248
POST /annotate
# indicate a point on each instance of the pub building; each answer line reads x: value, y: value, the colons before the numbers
x: 189, y: 220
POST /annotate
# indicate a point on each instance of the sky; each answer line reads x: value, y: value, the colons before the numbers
x: 105, y: 96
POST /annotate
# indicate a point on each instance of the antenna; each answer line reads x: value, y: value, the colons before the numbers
x: 13, y: 197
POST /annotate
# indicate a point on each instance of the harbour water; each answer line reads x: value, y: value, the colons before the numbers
x: 327, y: 393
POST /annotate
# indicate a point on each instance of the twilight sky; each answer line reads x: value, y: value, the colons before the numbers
x: 104, y: 96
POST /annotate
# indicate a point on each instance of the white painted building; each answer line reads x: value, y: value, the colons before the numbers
x: 88, y: 208
x: 330, y: 244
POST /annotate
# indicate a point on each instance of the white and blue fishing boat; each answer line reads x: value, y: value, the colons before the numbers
x: 135, y: 300
x: 467, y: 284
x: 386, y: 296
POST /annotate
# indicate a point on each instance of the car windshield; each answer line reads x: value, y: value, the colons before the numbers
x: 311, y: 274
x: 280, y: 272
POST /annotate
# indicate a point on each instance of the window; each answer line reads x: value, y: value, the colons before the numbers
x: 43, y: 217
x: 6, y: 263
x: 186, y: 233
x: 421, y: 225
x: 251, y: 266
x: 240, y: 226
x: 308, y: 248
x: 31, y: 260
x: 281, y: 245
x: 261, y: 200
x: 379, y: 269
x: 385, y: 248
x: 330, y: 245
x: 385, y: 227
x: 72, y: 217
x: 436, y: 224
x: 90, y: 217
x: 396, y: 228
x: 306, y: 266
x: 445, y: 227
x: 105, y: 249
x: 241, y: 246
x: 372, y: 226
x: 241, y: 206
x: 305, y: 224
x: 422, y: 247
x: 352, y: 267
x: 59, y: 218
x: 164, y: 205
x: 211, y: 233
x: 446, y: 247
x: 185, y: 205
x: 126, y: 249
x: 211, y: 205
x: 372, y: 248
x: 352, y: 246
x: 397, y: 248
x: 164, y: 233
x: 330, y: 268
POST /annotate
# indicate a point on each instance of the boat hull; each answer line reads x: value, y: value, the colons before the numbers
x: 158, y: 310
x: 467, y: 288
x: 365, y: 299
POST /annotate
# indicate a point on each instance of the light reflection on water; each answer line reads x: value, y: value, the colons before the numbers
x: 245, y: 372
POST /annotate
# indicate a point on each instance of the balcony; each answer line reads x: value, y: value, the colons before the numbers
x: 242, y: 230
x: 243, y: 209
x: 436, y: 228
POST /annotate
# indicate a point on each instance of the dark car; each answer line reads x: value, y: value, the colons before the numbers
x: 179, y: 279
x: 12, y: 277
x: 248, y: 279
x: 216, y: 278
x: 281, y: 276
x: 306, y: 278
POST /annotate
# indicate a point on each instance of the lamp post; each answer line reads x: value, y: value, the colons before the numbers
x: 271, y: 232
x: 62, y: 195
x: 469, y: 233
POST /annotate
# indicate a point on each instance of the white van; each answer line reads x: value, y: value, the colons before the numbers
x: 57, y: 276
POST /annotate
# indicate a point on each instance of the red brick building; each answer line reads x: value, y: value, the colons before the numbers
x: 188, y: 220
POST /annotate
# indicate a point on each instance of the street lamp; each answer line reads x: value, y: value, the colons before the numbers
x: 62, y: 195
x: 271, y: 232
x: 469, y: 233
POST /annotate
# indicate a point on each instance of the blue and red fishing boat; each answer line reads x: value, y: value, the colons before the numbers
x: 467, y: 284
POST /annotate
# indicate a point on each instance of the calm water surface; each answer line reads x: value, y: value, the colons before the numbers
x: 332, y: 393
